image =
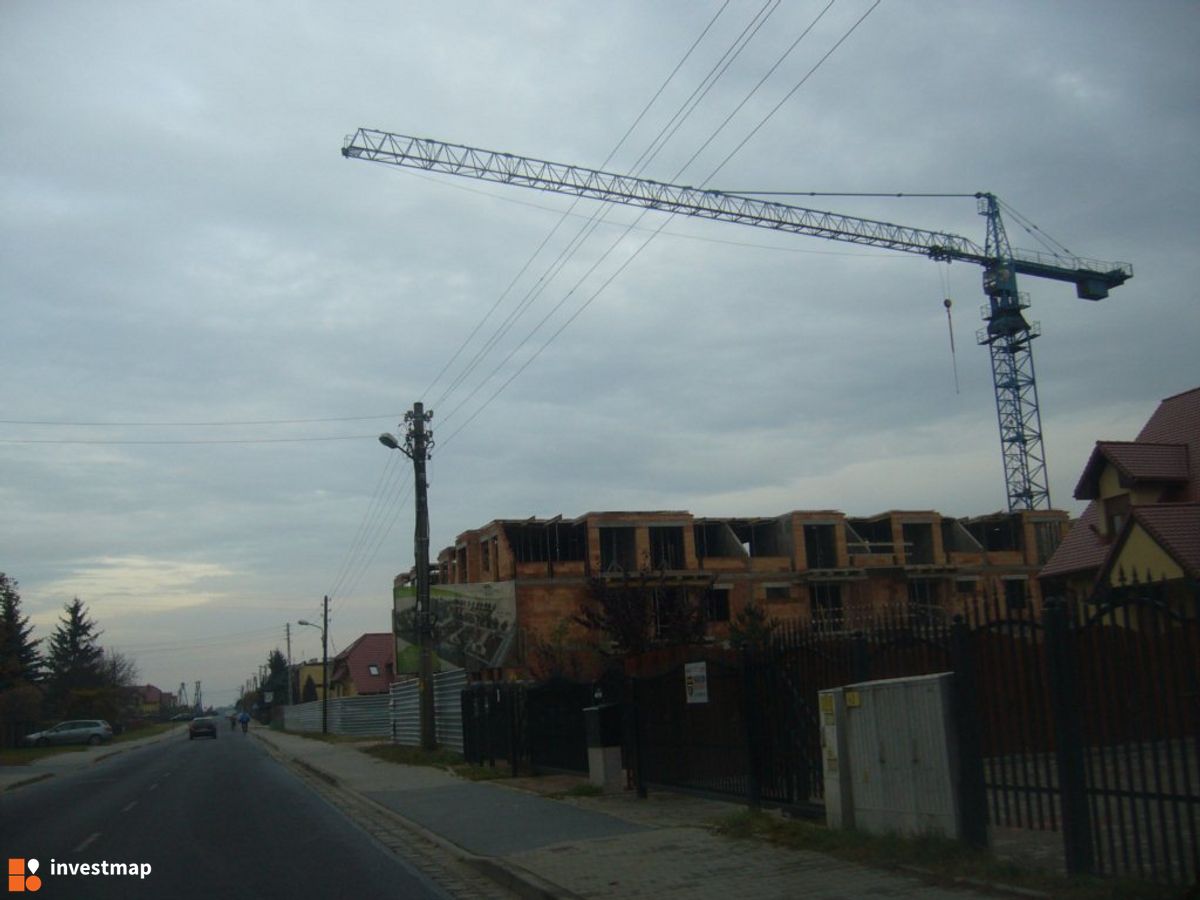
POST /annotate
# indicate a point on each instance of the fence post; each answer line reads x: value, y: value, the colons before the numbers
x: 635, y: 737
x: 752, y: 716
x: 860, y: 658
x: 1062, y: 674
x: 972, y: 786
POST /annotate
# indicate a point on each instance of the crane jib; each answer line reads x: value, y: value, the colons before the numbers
x: 1008, y: 335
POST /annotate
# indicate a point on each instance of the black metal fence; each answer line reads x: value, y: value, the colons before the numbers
x: 1082, y: 718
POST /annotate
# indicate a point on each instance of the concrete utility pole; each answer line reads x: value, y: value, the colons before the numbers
x: 324, y: 626
x: 325, y: 667
x: 417, y: 444
x: 288, y: 630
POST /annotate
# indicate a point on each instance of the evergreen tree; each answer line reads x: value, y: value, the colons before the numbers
x: 74, y: 662
x: 20, y: 661
x: 277, y: 676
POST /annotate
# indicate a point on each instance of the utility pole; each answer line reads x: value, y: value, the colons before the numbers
x: 417, y: 444
x: 288, y: 630
x: 325, y: 667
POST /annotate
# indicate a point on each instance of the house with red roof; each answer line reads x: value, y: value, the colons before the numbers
x: 367, y: 666
x: 1142, y: 523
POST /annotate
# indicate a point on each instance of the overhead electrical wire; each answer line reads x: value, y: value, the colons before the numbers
x: 574, y: 244
x: 603, y: 210
x: 167, y: 442
x: 580, y: 237
x: 753, y: 131
x: 575, y: 202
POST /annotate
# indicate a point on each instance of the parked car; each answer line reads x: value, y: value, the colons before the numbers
x: 201, y: 726
x: 76, y: 731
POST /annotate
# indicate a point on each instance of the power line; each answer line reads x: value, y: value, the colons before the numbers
x: 588, y: 302
x: 215, y: 424
x: 100, y: 442
x: 597, y: 217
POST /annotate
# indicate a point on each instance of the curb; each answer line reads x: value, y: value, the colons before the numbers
x: 34, y: 780
x: 509, y: 876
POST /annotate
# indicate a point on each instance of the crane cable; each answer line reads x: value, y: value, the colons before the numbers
x: 944, y: 271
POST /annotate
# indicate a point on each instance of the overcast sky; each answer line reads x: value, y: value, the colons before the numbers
x: 186, y: 259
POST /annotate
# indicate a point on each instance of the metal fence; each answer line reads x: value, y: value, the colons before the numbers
x: 360, y: 716
x: 1082, y: 719
x: 405, y: 710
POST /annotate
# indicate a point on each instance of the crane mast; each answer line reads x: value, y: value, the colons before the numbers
x: 1008, y: 335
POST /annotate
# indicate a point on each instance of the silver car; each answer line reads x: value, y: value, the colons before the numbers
x: 77, y: 731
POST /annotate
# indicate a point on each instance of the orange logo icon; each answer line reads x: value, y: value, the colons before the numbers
x: 18, y: 881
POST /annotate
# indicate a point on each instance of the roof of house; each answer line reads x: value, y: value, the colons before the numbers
x: 1176, y: 528
x: 1176, y: 422
x: 1137, y: 462
x: 355, y: 662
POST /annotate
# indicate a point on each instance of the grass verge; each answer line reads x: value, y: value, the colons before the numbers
x: 936, y: 858
x: 23, y: 756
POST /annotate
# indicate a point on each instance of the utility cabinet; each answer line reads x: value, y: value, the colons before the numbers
x: 891, y: 757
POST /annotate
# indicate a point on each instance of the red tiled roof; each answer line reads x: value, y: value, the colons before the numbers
x: 1176, y: 422
x: 1176, y: 528
x: 1137, y: 462
x: 1082, y: 549
x: 356, y: 660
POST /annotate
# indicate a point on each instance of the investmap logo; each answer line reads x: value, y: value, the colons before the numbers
x: 23, y: 874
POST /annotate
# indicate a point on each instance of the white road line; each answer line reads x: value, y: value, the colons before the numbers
x: 130, y: 806
x: 154, y: 787
x: 86, y: 843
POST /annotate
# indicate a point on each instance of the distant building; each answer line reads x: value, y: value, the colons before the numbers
x: 367, y: 666
x: 152, y: 702
x: 310, y: 683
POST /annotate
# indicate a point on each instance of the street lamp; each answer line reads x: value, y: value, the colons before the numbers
x: 324, y: 667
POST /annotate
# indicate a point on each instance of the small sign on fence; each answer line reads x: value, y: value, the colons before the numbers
x: 696, y: 681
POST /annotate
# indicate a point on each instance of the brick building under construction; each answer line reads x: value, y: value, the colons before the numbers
x: 511, y: 580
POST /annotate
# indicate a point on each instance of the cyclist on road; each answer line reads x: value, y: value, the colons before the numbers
x: 244, y: 718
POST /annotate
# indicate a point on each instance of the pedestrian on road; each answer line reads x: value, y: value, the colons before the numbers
x: 244, y: 718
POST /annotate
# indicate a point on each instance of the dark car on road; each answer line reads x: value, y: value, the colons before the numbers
x: 76, y: 731
x: 201, y: 726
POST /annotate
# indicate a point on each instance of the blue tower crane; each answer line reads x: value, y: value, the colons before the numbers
x: 1008, y: 335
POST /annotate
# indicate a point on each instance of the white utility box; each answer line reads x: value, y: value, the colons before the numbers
x: 891, y: 757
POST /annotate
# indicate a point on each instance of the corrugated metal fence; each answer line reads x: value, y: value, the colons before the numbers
x: 395, y: 714
x: 447, y: 705
x: 366, y: 716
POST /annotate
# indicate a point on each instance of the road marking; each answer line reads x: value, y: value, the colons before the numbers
x: 154, y: 787
x: 130, y: 806
x: 86, y: 843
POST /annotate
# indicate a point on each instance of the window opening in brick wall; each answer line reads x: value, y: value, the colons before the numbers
x: 666, y: 547
x: 618, y: 549
x: 826, y: 607
x: 820, y: 546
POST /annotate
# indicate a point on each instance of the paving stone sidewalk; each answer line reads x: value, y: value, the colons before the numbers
x: 612, y: 846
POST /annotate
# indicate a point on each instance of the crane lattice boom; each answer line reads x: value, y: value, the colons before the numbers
x: 1007, y: 334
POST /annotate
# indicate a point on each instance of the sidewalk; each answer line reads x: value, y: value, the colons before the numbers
x: 610, y: 846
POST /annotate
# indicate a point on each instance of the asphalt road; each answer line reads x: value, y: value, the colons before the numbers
x: 211, y: 818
